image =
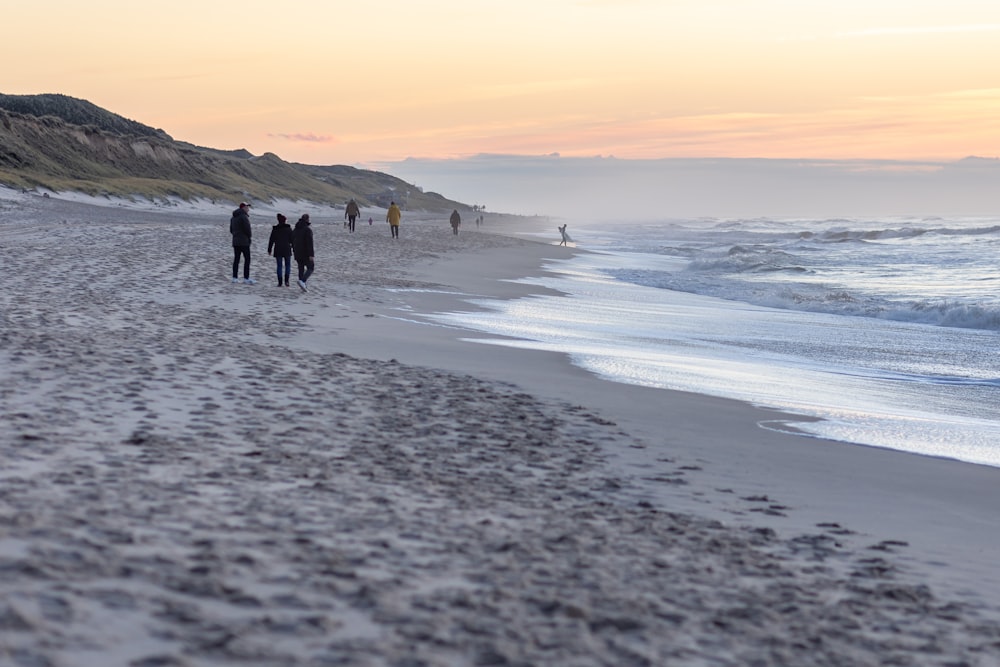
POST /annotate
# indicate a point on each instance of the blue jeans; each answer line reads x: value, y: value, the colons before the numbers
x: 286, y: 264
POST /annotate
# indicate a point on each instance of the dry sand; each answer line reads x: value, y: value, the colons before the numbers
x: 200, y: 473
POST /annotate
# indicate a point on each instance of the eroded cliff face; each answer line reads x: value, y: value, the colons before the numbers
x: 51, y: 146
x: 117, y: 147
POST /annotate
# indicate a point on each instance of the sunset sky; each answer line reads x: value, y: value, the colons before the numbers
x: 333, y: 82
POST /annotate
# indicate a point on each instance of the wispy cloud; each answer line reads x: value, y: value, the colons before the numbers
x: 920, y: 30
x: 307, y: 137
x: 949, y: 125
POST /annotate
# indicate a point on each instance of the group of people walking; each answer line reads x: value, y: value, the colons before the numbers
x: 283, y: 244
x: 286, y: 242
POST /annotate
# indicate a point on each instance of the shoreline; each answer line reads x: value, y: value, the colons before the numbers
x: 940, y: 507
x: 197, y: 472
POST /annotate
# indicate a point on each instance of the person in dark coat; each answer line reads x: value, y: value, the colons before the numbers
x: 239, y: 227
x: 456, y: 222
x: 351, y: 213
x: 302, y: 246
x: 281, y: 242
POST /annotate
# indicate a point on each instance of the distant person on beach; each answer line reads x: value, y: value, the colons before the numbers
x: 369, y: 221
x: 239, y: 227
x: 456, y: 222
x: 393, y: 217
x: 351, y: 213
x: 281, y: 241
x: 562, y: 232
x: 302, y: 247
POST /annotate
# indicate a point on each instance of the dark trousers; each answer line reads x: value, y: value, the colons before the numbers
x: 395, y: 231
x: 350, y: 221
x: 305, y: 269
x: 243, y: 250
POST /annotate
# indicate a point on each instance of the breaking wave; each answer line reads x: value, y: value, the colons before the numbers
x: 817, y: 299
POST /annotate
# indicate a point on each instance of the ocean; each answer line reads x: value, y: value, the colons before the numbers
x: 885, y: 330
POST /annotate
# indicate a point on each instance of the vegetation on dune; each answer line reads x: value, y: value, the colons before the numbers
x: 60, y: 143
x: 77, y: 112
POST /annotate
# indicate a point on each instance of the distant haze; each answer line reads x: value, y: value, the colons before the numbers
x: 609, y: 189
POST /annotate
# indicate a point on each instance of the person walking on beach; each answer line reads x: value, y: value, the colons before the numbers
x: 239, y: 227
x: 393, y: 217
x: 302, y: 247
x: 281, y: 242
x: 351, y: 213
x: 456, y: 222
x: 562, y: 232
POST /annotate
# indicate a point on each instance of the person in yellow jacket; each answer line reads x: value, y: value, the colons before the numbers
x: 393, y: 217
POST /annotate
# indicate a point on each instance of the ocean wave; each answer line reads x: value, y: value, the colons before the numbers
x: 843, y: 235
x: 749, y: 259
x: 945, y: 313
x: 838, y: 230
x: 819, y: 299
x: 952, y: 314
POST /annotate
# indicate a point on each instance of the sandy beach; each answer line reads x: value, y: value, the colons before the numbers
x: 197, y: 473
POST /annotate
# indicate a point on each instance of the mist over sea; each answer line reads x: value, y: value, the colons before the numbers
x: 607, y: 189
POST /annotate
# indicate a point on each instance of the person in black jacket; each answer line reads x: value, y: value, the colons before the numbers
x: 281, y: 241
x: 302, y: 246
x: 239, y: 227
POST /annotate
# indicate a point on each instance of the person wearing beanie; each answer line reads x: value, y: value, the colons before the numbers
x: 302, y: 246
x: 281, y: 242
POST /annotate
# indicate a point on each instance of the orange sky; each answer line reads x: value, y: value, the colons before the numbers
x: 334, y: 82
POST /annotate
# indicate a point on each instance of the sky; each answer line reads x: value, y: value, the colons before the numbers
x: 368, y: 81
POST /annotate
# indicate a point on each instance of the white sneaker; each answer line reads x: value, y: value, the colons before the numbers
x: 302, y: 285
x: 236, y: 280
x: 249, y: 281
